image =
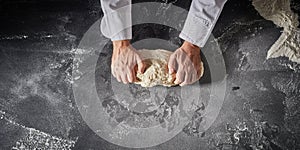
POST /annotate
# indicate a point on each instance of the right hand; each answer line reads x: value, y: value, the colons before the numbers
x: 186, y: 61
x: 124, y: 62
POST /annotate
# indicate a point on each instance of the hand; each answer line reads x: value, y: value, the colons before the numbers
x: 124, y: 62
x: 186, y: 60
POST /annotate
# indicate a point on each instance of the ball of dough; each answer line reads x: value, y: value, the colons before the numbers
x: 156, y: 72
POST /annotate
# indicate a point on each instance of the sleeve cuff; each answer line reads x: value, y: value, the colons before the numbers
x: 125, y: 34
x: 196, y: 30
x: 117, y: 25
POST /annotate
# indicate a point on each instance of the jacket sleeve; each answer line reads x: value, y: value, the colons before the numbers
x: 201, y: 19
x: 116, y: 22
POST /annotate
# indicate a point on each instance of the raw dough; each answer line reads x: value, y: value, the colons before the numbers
x: 156, y: 72
x: 279, y: 11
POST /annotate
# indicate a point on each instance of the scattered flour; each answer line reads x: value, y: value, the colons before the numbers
x: 35, y: 139
x: 280, y: 13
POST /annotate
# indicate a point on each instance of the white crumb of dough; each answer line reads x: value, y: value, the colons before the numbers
x: 279, y: 11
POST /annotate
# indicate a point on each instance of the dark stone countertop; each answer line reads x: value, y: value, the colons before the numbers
x: 37, y: 107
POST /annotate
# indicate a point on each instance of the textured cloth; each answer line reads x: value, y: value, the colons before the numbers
x: 201, y: 19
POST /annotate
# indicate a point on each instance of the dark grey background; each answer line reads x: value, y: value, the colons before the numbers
x: 37, y: 42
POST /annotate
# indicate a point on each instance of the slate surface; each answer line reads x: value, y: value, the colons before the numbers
x: 37, y: 108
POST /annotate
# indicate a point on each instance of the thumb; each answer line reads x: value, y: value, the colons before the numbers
x: 141, y: 67
x: 171, y: 64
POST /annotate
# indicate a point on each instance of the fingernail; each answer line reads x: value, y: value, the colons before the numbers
x: 176, y: 81
x: 182, y: 84
x: 170, y: 71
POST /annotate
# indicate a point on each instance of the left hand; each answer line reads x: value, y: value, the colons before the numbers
x: 186, y: 62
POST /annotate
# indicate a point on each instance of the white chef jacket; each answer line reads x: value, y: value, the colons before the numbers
x: 200, y: 21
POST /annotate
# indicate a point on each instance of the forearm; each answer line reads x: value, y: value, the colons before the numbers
x: 201, y: 19
x: 121, y: 43
x: 190, y: 48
